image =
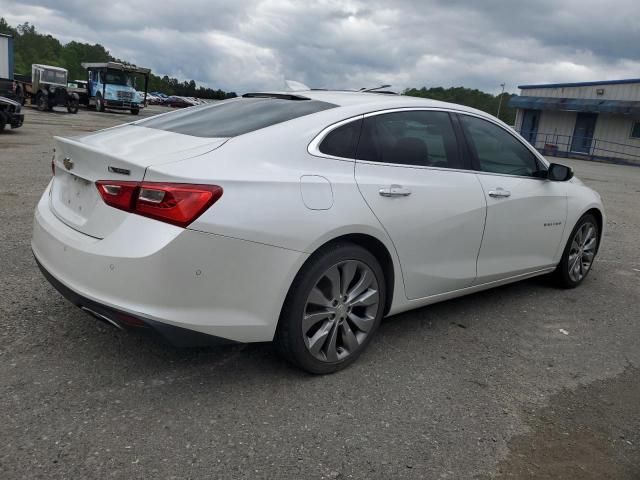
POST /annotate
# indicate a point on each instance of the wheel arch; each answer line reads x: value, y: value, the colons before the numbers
x: 382, y: 254
x: 599, y: 216
x: 370, y: 243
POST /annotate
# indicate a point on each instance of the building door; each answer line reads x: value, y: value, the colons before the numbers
x: 583, y: 133
x: 529, y: 129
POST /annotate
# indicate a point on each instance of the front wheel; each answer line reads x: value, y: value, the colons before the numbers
x: 135, y: 111
x: 99, y: 103
x: 332, y: 310
x: 72, y: 106
x: 579, y: 253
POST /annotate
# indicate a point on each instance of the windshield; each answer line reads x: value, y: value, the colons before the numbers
x: 114, y: 77
x: 54, y: 76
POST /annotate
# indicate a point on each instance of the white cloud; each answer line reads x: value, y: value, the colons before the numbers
x: 254, y: 44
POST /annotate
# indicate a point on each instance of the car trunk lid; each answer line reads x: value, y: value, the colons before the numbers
x: 122, y: 153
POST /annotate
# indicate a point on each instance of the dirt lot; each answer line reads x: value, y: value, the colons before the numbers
x: 481, y: 387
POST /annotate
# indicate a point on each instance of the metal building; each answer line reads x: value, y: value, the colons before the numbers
x: 593, y: 119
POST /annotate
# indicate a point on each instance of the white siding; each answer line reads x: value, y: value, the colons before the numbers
x: 556, y: 128
x: 616, y: 129
x: 4, y: 58
x: 627, y: 91
x: 517, y: 124
x: 612, y: 133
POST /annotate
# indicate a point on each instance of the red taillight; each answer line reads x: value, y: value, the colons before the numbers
x: 175, y: 203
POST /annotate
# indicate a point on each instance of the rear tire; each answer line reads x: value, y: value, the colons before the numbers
x: 333, y: 309
x: 42, y: 102
x: 3, y: 121
x: 579, y: 253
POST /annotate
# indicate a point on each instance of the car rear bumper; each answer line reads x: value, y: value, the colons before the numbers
x: 176, y: 336
x: 171, y: 280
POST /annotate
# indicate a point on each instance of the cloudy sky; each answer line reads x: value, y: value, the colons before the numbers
x: 247, y: 45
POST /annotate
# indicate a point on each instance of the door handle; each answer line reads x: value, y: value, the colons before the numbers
x: 499, y: 193
x: 395, y: 191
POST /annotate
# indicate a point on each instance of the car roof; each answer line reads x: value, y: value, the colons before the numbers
x: 372, y: 101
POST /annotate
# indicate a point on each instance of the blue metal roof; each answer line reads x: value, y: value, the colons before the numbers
x: 581, y: 84
x: 576, y: 104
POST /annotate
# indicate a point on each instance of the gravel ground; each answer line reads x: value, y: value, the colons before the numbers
x: 481, y: 387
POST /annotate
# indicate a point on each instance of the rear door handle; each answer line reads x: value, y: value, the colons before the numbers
x: 499, y: 193
x: 395, y: 191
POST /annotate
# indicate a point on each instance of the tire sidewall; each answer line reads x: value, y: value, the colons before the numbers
x: 41, y: 102
x: 563, y: 267
x: 291, y: 318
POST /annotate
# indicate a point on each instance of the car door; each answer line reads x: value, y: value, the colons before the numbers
x: 526, y: 213
x: 410, y: 171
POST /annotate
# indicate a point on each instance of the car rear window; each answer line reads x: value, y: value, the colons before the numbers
x: 235, y: 117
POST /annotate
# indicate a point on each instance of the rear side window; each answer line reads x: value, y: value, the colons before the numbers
x: 342, y: 141
x: 235, y: 117
x: 497, y: 150
x: 423, y: 138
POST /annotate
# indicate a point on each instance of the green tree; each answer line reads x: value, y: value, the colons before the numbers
x: 471, y: 98
x: 31, y: 47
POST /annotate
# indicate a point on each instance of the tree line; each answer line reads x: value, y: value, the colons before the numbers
x: 31, y: 46
x: 471, y: 98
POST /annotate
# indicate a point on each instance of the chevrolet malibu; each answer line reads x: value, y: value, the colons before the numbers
x: 304, y: 218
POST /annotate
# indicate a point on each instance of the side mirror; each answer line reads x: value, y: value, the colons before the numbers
x: 559, y: 173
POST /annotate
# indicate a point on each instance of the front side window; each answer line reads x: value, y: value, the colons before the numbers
x: 497, y: 150
x: 342, y: 141
x: 421, y: 138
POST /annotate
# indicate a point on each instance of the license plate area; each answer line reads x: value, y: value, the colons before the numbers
x: 74, y: 198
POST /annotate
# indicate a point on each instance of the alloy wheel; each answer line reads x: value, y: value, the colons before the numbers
x: 582, y: 252
x: 340, y: 311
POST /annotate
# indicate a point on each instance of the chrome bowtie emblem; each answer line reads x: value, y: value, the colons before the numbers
x: 68, y: 163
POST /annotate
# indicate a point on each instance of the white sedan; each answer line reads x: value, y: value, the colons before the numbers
x: 304, y: 218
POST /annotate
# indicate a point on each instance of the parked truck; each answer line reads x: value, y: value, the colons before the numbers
x: 10, y: 103
x: 47, y: 88
x: 8, y: 87
x: 112, y: 85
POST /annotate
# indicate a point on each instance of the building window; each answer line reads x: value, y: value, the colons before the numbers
x: 635, y: 130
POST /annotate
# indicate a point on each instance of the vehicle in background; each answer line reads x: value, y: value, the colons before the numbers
x: 113, y: 85
x: 9, y: 88
x: 47, y: 88
x: 154, y: 100
x: 179, y: 102
x: 79, y: 87
x: 10, y: 113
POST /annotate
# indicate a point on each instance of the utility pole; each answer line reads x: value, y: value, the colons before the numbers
x: 500, y: 102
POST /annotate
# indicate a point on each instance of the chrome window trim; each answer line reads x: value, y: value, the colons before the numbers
x: 313, y: 147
